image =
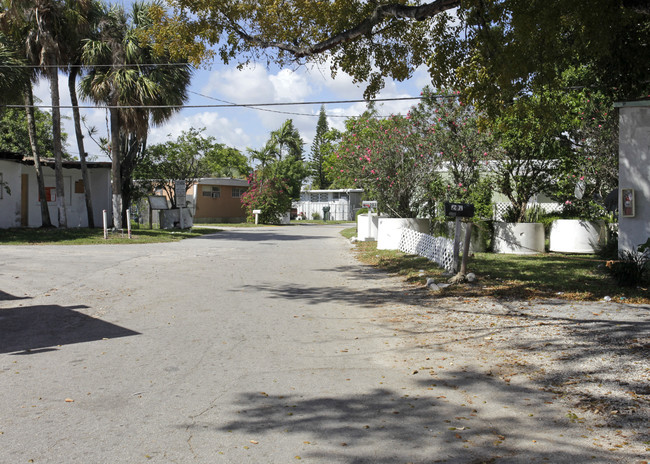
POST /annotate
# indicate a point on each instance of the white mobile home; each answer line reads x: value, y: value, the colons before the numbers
x: 19, y: 202
x: 342, y: 203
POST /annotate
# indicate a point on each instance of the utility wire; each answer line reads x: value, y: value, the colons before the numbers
x: 292, y: 113
x: 90, y: 66
x: 227, y: 105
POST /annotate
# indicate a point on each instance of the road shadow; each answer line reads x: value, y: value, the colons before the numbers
x: 386, y: 426
x: 328, y: 294
x: 39, y: 328
x: 253, y: 235
x: 4, y: 296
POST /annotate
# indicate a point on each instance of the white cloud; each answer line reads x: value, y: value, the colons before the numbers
x: 290, y: 86
x: 249, y: 85
x: 224, y: 130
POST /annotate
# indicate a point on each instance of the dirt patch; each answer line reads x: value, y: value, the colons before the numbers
x: 592, y: 356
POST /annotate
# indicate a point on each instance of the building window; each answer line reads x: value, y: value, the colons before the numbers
x: 237, y: 192
x: 50, y: 194
x: 211, y: 191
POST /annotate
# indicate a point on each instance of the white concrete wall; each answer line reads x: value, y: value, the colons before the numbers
x: 10, y: 203
x: 634, y: 172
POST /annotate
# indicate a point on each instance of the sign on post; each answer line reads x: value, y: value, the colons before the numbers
x: 181, y: 192
x: 369, y: 204
x: 459, y: 209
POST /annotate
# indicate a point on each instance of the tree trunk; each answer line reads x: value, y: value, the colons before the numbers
x: 31, y: 129
x: 56, y: 140
x: 116, y: 175
x: 72, y: 81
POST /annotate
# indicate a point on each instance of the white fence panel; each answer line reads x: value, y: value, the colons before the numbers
x: 437, y: 249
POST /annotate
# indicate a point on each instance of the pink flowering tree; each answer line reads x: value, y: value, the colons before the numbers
x: 464, y: 148
x: 267, y: 193
x: 390, y: 159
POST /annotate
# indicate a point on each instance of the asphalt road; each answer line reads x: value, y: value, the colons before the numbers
x: 246, y: 346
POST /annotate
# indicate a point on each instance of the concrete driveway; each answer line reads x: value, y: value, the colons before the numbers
x: 247, y: 346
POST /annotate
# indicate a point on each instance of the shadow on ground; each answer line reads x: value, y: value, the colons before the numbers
x: 39, y: 328
x: 594, y: 356
x: 257, y: 235
x: 318, y: 295
x: 385, y: 426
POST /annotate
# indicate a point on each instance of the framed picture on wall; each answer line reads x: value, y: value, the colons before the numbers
x: 628, y: 206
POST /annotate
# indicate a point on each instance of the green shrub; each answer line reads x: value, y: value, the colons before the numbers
x: 633, y: 267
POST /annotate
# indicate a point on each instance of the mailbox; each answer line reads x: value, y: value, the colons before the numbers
x: 459, y: 209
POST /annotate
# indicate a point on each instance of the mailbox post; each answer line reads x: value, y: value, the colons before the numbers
x: 370, y: 205
x: 458, y: 211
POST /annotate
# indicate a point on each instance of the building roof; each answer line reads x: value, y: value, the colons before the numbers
x: 304, y: 190
x: 226, y: 181
x: 69, y: 164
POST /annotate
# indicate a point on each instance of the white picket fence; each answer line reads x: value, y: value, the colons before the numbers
x: 437, y: 249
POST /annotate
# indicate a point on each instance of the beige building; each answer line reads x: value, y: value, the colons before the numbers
x: 218, y: 200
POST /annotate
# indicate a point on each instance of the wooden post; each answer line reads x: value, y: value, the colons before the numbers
x: 466, y: 243
x: 456, y: 244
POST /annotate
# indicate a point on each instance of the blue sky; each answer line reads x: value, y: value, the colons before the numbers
x: 244, y: 127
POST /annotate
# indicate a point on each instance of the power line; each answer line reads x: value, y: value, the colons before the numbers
x: 228, y: 105
x: 291, y: 113
x: 90, y: 66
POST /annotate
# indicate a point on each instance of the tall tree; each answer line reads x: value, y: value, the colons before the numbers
x: 134, y: 80
x: 46, y: 19
x: 317, y: 152
x: 16, y: 28
x: 83, y: 18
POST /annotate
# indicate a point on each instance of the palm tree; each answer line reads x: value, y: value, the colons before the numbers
x: 138, y: 89
x: 14, y: 25
x: 47, y: 20
x: 288, y: 138
x: 83, y: 19
x: 266, y: 154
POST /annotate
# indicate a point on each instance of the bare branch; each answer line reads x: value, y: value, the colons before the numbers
x: 382, y: 12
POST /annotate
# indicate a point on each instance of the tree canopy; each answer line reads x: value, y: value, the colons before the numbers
x: 14, y: 133
x: 490, y: 47
x: 190, y: 157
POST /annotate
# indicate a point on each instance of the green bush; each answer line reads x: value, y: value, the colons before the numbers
x: 633, y: 267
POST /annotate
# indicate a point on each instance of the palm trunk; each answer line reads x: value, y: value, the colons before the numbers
x: 31, y: 129
x: 116, y: 175
x: 72, y: 80
x: 56, y: 140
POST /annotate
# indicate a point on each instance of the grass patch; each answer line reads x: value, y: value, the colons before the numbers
x: 550, y: 275
x: 349, y: 232
x: 85, y: 236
